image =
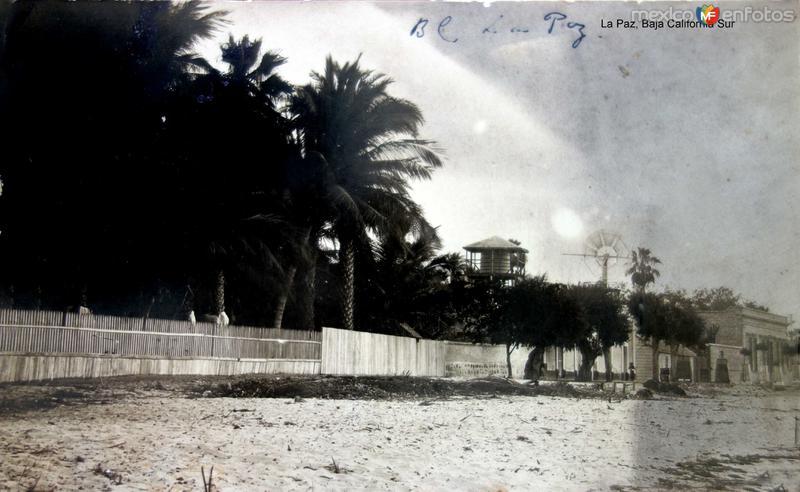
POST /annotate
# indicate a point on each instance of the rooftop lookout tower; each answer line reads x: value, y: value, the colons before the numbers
x: 496, y: 257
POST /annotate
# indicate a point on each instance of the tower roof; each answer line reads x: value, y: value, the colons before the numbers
x: 494, y: 242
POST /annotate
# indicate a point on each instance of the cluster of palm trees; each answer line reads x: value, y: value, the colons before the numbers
x: 140, y: 171
x: 139, y: 179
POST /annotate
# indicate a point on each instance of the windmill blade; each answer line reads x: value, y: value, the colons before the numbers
x: 606, y: 247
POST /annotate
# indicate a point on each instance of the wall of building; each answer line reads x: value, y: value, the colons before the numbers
x: 476, y: 360
x: 748, y: 328
x: 764, y: 324
x: 729, y: 324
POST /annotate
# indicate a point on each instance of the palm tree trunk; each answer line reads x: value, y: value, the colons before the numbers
x: 289, y: 285
x: 284, y: 297
x: 654, y: 344
x: 306, y: 290
x: 348, y: 284
x: 219, y: 293
x: 307, y: 295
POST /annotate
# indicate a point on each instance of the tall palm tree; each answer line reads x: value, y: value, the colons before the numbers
x: 234, y: 216
x: 253, y: 84
x: 366, y: 148
x: 642, y: 268
x: 260, y: 80
x: 643, y: 272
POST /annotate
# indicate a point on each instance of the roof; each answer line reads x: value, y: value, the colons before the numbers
x: 494, y: 242
x: 752, y: 314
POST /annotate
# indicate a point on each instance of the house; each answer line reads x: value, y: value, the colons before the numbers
x: 755, y: 345
x: 675, y: 363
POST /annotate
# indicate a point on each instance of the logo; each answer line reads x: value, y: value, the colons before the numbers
x: 708, y: 14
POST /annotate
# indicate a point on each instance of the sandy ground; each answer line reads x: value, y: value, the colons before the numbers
x: 154, y: 439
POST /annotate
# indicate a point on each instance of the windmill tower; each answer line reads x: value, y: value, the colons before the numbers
x: 605, y: 248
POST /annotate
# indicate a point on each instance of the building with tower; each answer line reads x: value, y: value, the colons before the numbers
x: 496, y: 258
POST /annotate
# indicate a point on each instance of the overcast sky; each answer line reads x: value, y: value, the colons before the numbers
x: 683, y: 141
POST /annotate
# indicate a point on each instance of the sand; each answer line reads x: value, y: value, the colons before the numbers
x: 158, y: 440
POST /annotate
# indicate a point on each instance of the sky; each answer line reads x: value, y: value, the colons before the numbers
x: 683, y: 141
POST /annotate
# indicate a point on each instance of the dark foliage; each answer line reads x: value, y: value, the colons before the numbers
x: 532, y: 313
x: 602, y: 312
x: 666, y: 320
x: 89, y: 194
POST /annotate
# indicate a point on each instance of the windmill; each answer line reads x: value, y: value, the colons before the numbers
x: 606, y: 247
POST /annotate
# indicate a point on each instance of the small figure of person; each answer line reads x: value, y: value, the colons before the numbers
x: 631, y: 372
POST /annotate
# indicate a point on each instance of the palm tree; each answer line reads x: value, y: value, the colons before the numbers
x: 643, y: 272
x: 403, y: 280
x: 260, y: 80
x: 643, y: 268
x: 257, y: 84
x: 239, y: 214
x: 366, y: 148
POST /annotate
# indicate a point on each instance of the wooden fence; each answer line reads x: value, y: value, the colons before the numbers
x: 38, y: 345
x: 33, y: 343
x: 54, y: 332
x: 361, y: 353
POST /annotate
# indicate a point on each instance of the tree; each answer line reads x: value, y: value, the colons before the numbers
x: 254, y: 81
x: 664, y: 321
x: 82, y: 100
x: 558, y: 323
x: 532, y: 313
x: 402, y: 282
x: 643, y: 268
x: 606, y: 325
x: 510, y: 316
x: 652, y: 322
x: 236, y: 219
x: 720, y: 299
x: 688, y: 329
x: 364, y: 148
x: 717, y: 299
